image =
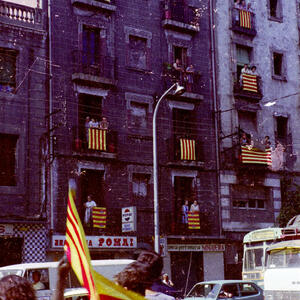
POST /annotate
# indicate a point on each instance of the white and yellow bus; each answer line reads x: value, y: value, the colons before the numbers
x: 255, y: 244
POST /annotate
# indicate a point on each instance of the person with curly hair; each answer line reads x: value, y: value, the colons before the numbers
x: 14, y: 287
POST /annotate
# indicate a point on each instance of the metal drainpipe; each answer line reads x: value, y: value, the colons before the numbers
x: 50, y: 115
x: 216, y: 116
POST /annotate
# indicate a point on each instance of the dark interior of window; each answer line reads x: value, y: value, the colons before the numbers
x: 180, y: 53
x: 7, y: 67
x: 183, y: 122
x: 8, y: 144
x: 277, y: 58
x: 91, y: 45
x: 273, y: 8
x: 282, y: 128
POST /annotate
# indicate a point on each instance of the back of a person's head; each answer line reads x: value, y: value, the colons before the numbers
x: 14, y: 287
x: 134, y: 277
x: 153, y: 261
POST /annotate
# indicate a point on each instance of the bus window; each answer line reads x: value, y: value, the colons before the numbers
x: 39, y: 278
x: 254, y: 259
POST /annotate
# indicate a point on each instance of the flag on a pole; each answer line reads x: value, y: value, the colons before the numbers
x: 187, y: 149
x: 250, y: 83
x: 78, y: 255
x: 245, y: 19
x: 76, y: 247
x: 99, y: 217
x: 193, y: 220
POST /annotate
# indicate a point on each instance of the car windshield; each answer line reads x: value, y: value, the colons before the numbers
x: 11, y: 272
x: 284, y: 258
x: 204, y: 290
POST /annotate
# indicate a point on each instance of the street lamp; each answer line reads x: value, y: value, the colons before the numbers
x: 178, y: 91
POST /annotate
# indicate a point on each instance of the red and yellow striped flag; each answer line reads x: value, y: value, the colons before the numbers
x: 99, y: 217
x: 97, y: 139
x: 76, y: 247
x: 256, y: 156
x: 250, y: 83
x: 193, y: 220
x: 187, y: 149
x: 78, y: 255
x: 245, y: 19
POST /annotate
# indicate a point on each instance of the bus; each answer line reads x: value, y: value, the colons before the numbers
x: 283, y: 271
x: 255, y: 245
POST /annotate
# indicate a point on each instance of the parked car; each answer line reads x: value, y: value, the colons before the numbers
x: 225, y: 289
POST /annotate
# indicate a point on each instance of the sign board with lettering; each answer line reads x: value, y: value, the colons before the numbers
x: 197, y: 247
x: 128, y: 219
x: 6, y: 229
x: 100, y: 242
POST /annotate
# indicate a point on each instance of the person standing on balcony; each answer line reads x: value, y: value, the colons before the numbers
x: 185, y: 210
x: 178, y: 70
x: 189, y: 77
x: 245, y: 70
x: 103, y: 124
x: 93, y: 123
x: 195, y: 207
x: 88, y: 210
x: 253, y: 71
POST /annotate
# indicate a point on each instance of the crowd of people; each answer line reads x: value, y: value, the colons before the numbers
x: 186, y: 209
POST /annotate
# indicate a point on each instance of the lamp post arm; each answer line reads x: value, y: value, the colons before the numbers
x: 155, y: 174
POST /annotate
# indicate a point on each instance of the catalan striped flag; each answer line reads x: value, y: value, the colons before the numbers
x: 256, y: 156
x: 250, y: 83
x: 187, y: 149
x: 99, y: 217
x: 245, y: 19
x: 193, y: 220
x: 97, y: 139
x: 78, y: 255
x: 76, y: 247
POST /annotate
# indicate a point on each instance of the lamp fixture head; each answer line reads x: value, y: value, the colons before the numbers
x: 179, y: 89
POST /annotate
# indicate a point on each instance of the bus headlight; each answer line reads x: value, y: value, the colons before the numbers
x: 245, y: 276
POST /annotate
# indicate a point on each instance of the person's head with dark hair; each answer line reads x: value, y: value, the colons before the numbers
x: 14, y: 287
x: 153, y: 261
x: 135, y: 277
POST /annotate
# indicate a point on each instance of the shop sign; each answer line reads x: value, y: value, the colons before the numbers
x: 6, y: 229
x: 197, y: 247
x: 100, y: 242
x: 129, y: 219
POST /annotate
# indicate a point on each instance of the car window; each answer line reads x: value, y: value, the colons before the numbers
x: 203, y: 290
x: 228, y: 291
x: 39, y: 278
x: 248, y: 289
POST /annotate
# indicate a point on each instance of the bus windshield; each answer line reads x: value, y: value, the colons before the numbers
x: 284, y: 258
x: 254, y: 259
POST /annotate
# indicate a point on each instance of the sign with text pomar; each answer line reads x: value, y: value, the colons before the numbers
x: 129, y: 219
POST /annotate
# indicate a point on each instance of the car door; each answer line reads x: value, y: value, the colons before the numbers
x: 229, y: 288
x: 249, y: 291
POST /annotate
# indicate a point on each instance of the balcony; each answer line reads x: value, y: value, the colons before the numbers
x: 249, y: 87
x: 20, y: 15
x: 93, y: 69
x: 243, y: 22
x: 180, y: 17
x: 104, y: 5
x: 95, y: 142
x: 193, y: 89
x: 185, y: 150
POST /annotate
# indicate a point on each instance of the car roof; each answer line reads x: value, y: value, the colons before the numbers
x: 75, y: 292
x: 223, y: 281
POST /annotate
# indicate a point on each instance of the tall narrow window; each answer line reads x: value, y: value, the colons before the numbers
x: 273, y: 8
x: 281, y: 129
x: 243, y: 56
x: 183, y: 122
x: 8, y: 145
x: 277, y: 63
x: 181, y: 54
x: 138, y: 115
x: 7, y: 69
x: 91, y: 45
x: 137, y: 52
x: 248, y: 121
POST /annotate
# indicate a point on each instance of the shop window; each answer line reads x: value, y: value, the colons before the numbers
x: 249, y: 197
x: 7, y: 70
x: 275, y: 9
x: 243, y: 56
x: 8, y: 159
x: 137, y: 52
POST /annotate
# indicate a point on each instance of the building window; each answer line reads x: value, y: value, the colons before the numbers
x: 281, y: 133
x: 275, y: 9
x: 7, y: 70
x: 243, y: 56
x: 248, y: 121
x: 137, y: 52
x: 183, y: 122
x: 138, y: 115
x: 140, y: 185
x: 249, y: 197
x: 181, y: 54
x: 8, y: 146
x: 91, y: 45
x: 277, y: 63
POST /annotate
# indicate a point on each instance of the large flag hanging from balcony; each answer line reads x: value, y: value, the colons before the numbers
x: 78, y: 255
x: 245, y: 19
x: 250, y: 83
x: 76, y: 247
x: 193, y: 220
x: 97, y: 139
x: 99, y: 217
x: 256, y: 156
x: 187, y: 149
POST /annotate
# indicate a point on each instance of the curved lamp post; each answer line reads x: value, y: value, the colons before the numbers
x: 178, y: 91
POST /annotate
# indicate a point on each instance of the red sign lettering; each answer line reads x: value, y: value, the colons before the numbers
x: 101, y: 241
x: 125, y: 243
x: 108, y: 242
x: 117, y: 242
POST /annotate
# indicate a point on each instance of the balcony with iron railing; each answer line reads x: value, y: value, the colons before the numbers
x: 94, y: 142
x: 21, y: 15
x: 243, y: 21
x: 249, y: 87
x: 185, y: 150
x: 92, y: 68
x: 180, y: 16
